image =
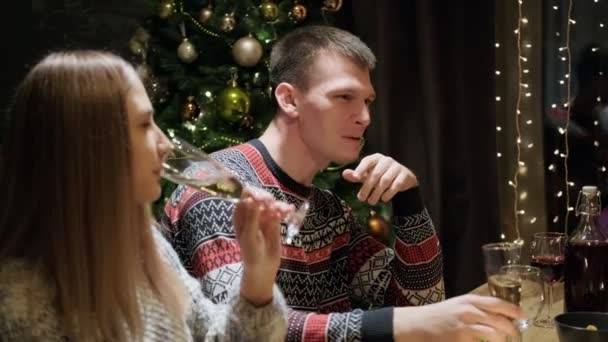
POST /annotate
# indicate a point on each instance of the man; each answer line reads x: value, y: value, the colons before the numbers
x: 323, y: 92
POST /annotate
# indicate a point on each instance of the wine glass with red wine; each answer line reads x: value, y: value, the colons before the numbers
x: 547, y: 253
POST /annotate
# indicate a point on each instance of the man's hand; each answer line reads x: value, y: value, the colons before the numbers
x: 382, y: 178
x: 464, y: 318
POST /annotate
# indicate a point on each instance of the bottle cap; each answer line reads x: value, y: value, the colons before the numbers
x: 590, y: 189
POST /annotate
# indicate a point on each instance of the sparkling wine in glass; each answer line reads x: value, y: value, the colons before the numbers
x: 189, y: 165
x: 547, y: 253
x: 521, y: 285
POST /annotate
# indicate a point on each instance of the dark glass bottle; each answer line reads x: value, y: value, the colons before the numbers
x: 586, y: 258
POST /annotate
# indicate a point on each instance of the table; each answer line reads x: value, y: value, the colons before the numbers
x: 534, y: 333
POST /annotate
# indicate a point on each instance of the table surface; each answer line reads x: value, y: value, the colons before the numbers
x: 534, y: 333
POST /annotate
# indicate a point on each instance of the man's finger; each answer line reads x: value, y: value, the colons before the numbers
x: 497, y: 306
x: 484, y: 333
x: 373, y: 177
x: 386, y: 183
x: 366, y: 164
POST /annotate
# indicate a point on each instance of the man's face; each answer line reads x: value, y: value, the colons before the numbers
x: 333, y: 111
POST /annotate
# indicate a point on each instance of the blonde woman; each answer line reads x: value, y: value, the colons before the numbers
x: 80, y: 258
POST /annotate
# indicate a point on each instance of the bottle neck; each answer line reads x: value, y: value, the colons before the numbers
x: 588, y: 227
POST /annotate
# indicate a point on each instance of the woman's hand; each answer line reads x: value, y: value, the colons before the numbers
x: 256, y: 221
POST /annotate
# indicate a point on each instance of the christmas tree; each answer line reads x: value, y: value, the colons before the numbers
x: 205, y: 67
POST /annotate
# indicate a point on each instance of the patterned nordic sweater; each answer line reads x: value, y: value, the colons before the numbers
x: 28, y: 311
x: 329, y: 266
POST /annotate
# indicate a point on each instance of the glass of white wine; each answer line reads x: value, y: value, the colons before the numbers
x: 188, y: 165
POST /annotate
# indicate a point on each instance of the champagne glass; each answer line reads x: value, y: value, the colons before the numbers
x: 521, y: 285
x: 547, y: 253
x: 189, y: 165
x: 495, y: 256
x: 499, y: 254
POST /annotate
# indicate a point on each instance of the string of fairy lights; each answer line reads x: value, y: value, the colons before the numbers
x: 567, y: 103
x: 521, y: 20
x: 524, y: 92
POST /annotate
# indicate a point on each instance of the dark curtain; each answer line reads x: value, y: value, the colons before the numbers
x: 435, y: 113
x: 16, y: 31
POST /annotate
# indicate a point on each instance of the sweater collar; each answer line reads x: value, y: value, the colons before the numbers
x: 282, y: 176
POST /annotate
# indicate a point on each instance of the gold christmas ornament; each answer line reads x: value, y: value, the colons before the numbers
x: 332, y: 5
x: 228, y: 23
x: 269, y: 10
x: 190, y: 109
x: 166, y: 9
x: 233, y: 103
x: 378, y: 227
x: 186, y: 51
x: 298, y: 12
x: 206, y: 14
x: 247, y: 51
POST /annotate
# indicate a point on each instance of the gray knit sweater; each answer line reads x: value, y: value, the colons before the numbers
x: 28, y: 311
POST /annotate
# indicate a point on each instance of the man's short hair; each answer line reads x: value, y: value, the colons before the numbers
x: 294, y: 54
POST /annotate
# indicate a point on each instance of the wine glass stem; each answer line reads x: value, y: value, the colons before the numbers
x: 549, y: 299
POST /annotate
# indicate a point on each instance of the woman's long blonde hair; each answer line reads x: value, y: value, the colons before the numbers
x: 67, y: 205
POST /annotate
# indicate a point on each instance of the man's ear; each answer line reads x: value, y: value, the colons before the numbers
x: 285, y: 96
